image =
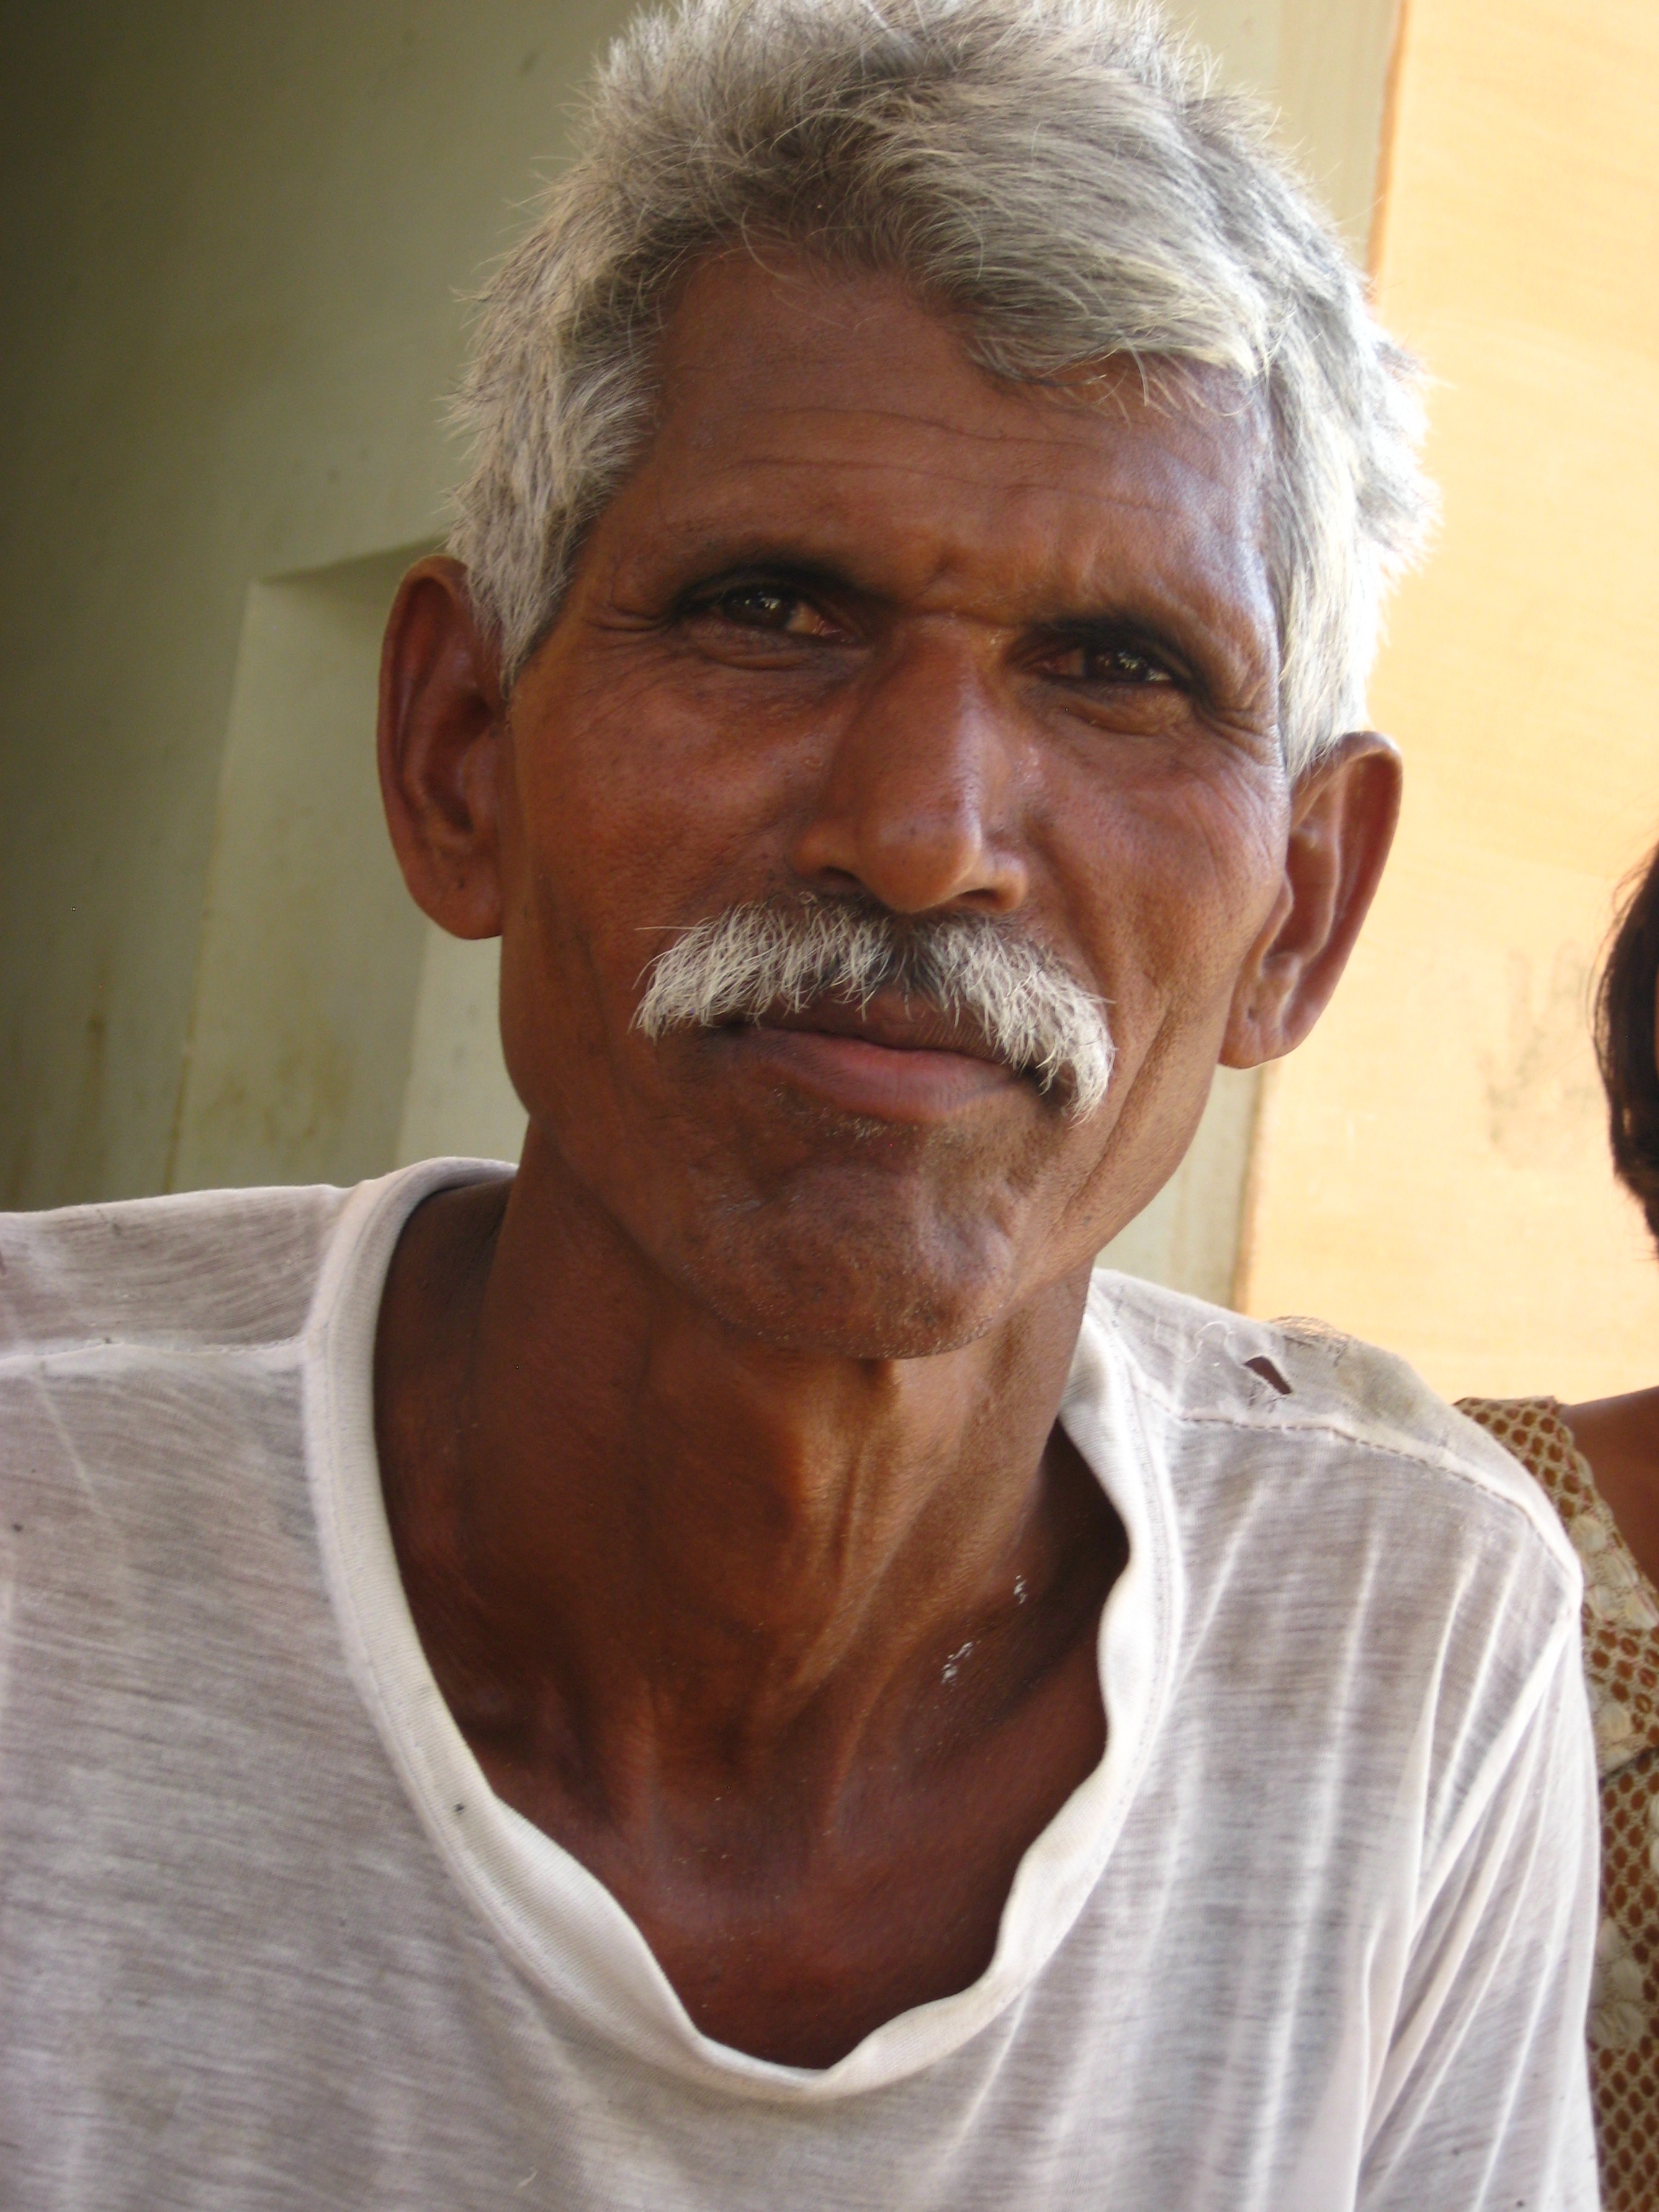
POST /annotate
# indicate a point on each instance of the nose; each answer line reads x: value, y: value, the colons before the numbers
x: 915, y: 804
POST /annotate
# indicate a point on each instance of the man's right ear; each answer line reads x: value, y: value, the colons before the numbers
x: 442, y: 724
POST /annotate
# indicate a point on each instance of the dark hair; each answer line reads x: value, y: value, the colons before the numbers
x: 1625, y: 1042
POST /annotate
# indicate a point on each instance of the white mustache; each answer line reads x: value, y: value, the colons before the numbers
x: 777, y: 955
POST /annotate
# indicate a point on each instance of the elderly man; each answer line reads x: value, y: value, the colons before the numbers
x: 724, y: 1663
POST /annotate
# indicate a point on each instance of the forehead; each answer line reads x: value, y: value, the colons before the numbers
x: 802, y: 404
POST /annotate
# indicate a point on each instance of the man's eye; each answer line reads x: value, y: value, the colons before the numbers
x: 1111, y: 664
x: 767, y: 606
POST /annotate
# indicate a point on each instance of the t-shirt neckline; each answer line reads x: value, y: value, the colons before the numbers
x: 559, y: 1924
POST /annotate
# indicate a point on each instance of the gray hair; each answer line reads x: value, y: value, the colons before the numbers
x: 1064, y: 175
x: 784, y: 954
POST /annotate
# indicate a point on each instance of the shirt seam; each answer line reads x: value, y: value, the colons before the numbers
x: 34, y: 1358
x: 1421, y: 1463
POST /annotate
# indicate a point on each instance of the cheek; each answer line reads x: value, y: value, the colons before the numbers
x: 641, y: 809
x: 1179, y: 869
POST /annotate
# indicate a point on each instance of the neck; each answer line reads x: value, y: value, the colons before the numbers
x: 653, y: 1553
x: 1619, y: 1437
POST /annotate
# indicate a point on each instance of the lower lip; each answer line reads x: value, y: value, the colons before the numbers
x: 885, y: 1083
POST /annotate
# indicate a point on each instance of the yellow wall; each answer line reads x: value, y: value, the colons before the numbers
x: 1431, y: 1169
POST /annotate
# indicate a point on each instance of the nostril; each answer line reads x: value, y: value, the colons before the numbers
x: 841, y: 881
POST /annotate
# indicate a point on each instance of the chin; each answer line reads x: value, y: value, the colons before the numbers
x: 856, y: 1291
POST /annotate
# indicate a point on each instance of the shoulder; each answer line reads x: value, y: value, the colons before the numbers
x: 1357, y: 1559
x: 229, y: 1268
x: 1336, y: 1430
x: 210, y: 1270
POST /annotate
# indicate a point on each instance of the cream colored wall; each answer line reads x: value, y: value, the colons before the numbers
x: 1431, y: 1168
x: 298, y: 1052
x: 1323, y: 64
x: 234, y: 244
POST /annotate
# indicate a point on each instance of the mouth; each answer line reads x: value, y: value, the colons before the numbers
x: 883, y: 1060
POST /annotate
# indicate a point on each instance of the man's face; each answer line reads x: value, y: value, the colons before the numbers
x: 867, y: 624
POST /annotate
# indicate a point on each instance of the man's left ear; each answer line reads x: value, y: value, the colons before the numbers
x: 1343, y: 813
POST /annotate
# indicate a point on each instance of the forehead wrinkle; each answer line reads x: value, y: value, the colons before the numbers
x: 746, y: 359
x: 1077, y: 418
x: 1180, y: 486
x: 1020, y: 488
x: 1195, y: 481
x: 1156, y: 500
x: 1137, y: 446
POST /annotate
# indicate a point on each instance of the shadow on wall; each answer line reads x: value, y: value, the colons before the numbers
x: 335, y: 1033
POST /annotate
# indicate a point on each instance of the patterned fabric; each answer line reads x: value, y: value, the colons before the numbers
x: 1621, y: 1664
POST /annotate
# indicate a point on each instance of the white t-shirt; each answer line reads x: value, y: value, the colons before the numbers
x: 1315, y: 1934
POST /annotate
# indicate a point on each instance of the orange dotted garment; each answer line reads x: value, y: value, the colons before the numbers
x: 1621, y: 1664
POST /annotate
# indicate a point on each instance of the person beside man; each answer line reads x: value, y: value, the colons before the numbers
x: 1598, y: 1463
x: 727, y: 1659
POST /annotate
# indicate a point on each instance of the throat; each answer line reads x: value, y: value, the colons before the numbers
x: 799, y: 1902
x: 803, y: 1881
x: 745, y: 1632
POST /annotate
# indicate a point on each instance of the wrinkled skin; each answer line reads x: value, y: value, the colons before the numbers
x: 710, y: 1442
